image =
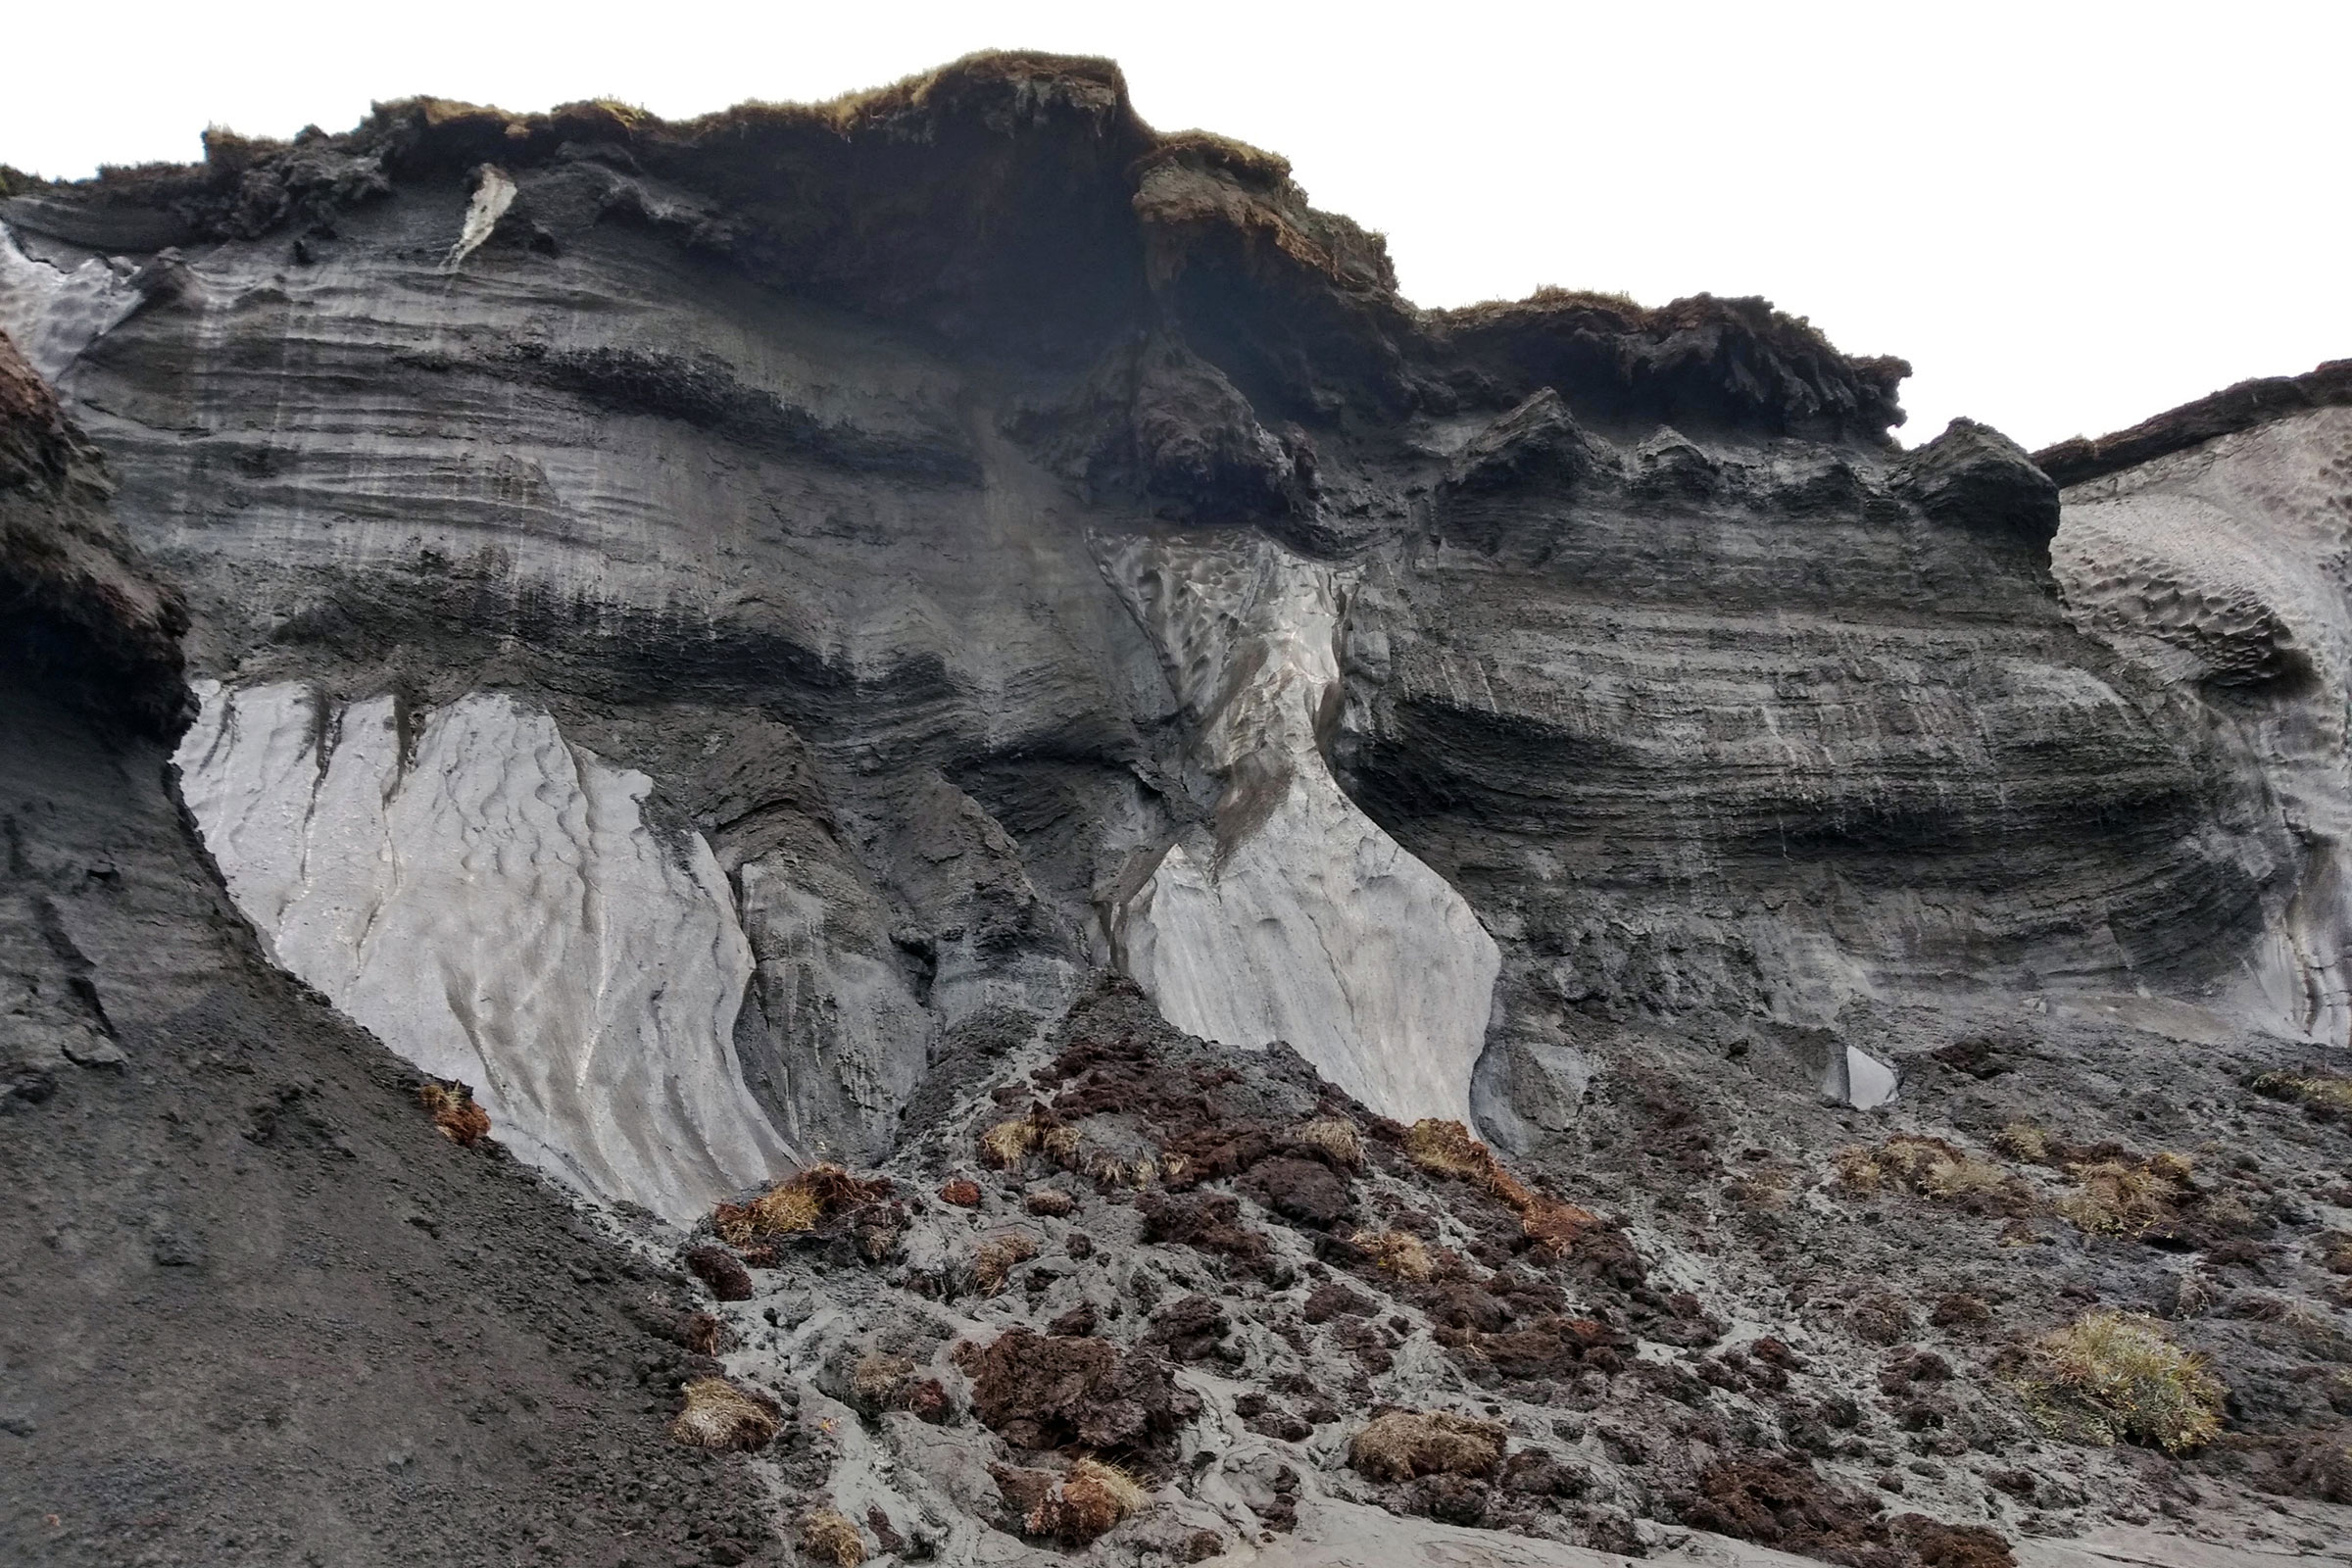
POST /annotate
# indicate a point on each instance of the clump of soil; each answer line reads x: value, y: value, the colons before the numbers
x: 1040, y: 1392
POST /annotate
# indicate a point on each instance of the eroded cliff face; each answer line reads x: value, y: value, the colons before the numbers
x: 2222, y: 568
x: 1063, y: 587
x: 710, y: 634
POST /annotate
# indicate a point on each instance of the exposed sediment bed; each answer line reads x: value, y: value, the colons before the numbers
x: 737, y: 640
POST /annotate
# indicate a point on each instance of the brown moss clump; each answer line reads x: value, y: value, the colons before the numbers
x: 719, y: 1415
x: 1446, y: 1149
x: 721, y: 1270
x: 828, y: 1537
x: 797, y: 1207
x: 1397, y: 1252
x: 962, y: 1192
x: 704, y: 1334
x: 452, y: 1107
x: 1401, y: 1444
x: 2113, y: 1376
x: 996, y: 1258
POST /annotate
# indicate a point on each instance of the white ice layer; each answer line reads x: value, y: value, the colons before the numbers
x: 51, y: 313
x: 493, y: 194
x: 1304, y: 922
x: 489, y: 900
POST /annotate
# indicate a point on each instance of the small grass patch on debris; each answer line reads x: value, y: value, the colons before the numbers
x: 795, y: 1206
x: 1930, y: 1166
x: 719, y: 1415
x: 828, y: 1537
x: 1397, y: 1252
x: 1089, y: 1501
x: 997, y: 1256
x: 2124, y: 1196
x: 2113, y: 1377
x: 2314, y: 1088
x: 1446, y: 1149
x: 1401, y: 1444
x: 1335, y: 1135
x: 1005, y: 1144
x: 451, y: 1107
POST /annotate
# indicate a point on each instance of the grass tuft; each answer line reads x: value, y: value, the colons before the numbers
x: 2122, y: 1197
x: 1398, y: 1252
x: 719, y: 1415
x: 1337, y: 1136
x: 996, y: 1258
x: 453, y: 1111
x: 1005, y: 1144
x: 795, y: 1206
x: 2021, y: 1140
x: 1092, y: 1499
x: 2312, y: 1087
x: 1446, y: 1149
x: 1401, y: 1444
x: 2113, y: 1376
x: 828, y: 1537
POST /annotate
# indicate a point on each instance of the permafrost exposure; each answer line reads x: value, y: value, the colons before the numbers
x: 902, y: 831
x: 490, y: 902
x: 1293, y: 917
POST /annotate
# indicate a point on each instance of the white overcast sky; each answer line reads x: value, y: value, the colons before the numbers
x: 2066, y: 217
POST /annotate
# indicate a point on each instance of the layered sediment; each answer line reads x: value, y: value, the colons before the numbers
x: 740, y: 641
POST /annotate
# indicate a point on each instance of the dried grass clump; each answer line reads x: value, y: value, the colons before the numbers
x: 1106, y: 1171
x: 1335, y: 1135
x: 719, y: 1415
x: 2122, y: 1197
x: 783, y: 1210
x: 1554, y: 1226
x: 797, y: 1207
x: 996, y: 1258
x: 2021, y: 1140
x: 1929, y: 1166
x: 827, y: 1535
x: 1092, y: 1499
x: 2113, y: 1376
x: 1398, y: 1252
x: 2309, y: 1086
x: 876, y: 1375
x: 452, y: 1107
x: 1401, y: 1444
x: 1858, y: 1168
x: 1005, y: 1144
x: 1063, y: 1147
x: 1446, y: 1149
